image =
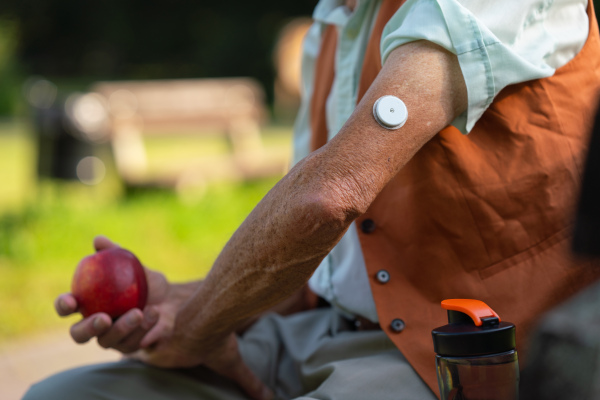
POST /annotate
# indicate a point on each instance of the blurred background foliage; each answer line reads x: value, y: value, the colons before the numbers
x: 47, y: 225
x: 81, y: 42
x: 10, y: 76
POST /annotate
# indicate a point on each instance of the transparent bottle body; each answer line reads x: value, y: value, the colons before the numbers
x: 493, y: 377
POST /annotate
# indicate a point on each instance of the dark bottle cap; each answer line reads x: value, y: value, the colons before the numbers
x: 473, y: 329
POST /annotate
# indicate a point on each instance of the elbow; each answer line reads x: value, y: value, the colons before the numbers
x: 330, y: 198
x: 333, y: 206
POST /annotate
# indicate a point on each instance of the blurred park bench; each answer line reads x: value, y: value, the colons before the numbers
x: 232, y: 108
x: 130, y: 114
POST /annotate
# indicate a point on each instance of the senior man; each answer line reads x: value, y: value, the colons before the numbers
x: 382, y: 221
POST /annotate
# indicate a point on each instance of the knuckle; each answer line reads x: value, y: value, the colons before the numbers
x: 78, y: 336
x: 104, y: 342
x: 119, y: 329
x: 122, y: 327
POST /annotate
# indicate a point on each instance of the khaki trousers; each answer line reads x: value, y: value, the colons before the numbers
x: 310, y: 355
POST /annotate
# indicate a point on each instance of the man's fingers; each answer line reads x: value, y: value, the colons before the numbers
x: 152, y: 336
x: 154, y: 329
x: 121, y: 329
x: 150, y: 317
x: 132, y: 342
x: 65, y: 304
x: 87, y: 328
x: 102, y: 242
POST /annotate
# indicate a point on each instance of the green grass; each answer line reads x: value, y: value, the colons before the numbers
x: 16, y: 172
x: 47, y: 227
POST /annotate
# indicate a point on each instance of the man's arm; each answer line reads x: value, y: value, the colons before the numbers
x: 277, y: 248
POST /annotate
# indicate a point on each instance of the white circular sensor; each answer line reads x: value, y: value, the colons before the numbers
x: 390, y: 112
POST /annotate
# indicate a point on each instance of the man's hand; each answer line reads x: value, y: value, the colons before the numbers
x: 148, y: 335
x: 137, y: 328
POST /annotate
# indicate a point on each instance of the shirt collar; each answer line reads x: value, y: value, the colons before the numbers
x: 332, y: 12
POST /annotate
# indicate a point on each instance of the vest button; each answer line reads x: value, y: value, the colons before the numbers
x: 367, y: 226
x: 383, y: 276
x: 397, y: 325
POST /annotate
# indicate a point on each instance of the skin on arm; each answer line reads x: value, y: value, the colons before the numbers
x: 277, y: 248
x: 275, y: 251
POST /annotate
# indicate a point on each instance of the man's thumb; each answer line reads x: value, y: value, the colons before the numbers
x: 102, y: 242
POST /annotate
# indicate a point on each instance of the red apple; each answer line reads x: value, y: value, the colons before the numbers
x: 112, y: 281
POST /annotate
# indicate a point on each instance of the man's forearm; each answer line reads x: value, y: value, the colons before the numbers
x: 271, y: 255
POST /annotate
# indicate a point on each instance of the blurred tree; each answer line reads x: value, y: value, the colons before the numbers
x: 150, y: 39
x: 9, y: 85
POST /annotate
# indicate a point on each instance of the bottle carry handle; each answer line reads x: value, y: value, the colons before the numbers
x: 477, y: 310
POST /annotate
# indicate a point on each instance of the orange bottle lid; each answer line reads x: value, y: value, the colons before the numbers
x: 476, y: 309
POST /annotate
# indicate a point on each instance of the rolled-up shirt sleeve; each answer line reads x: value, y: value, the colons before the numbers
x: 497, y: 43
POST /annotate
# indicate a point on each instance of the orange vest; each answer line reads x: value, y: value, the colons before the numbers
x: 485, y: 216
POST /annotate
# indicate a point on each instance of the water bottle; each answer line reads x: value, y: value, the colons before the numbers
x: 476, y: 353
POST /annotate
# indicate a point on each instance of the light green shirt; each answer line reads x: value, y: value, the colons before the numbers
x: 497, y: 44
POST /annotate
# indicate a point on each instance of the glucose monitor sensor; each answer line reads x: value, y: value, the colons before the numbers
x: 390, y: 112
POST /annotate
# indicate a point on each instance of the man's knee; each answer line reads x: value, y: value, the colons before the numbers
x: 78, y: 383
x: 133, y: 380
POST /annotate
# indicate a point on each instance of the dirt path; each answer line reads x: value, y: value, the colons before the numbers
x: 27, y: 361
